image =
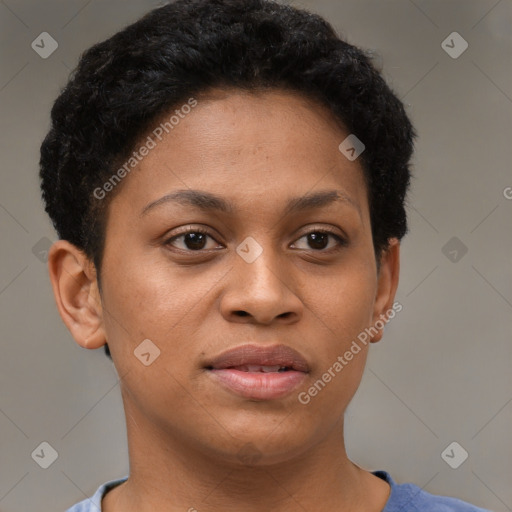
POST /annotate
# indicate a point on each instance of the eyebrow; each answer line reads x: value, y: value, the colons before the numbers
x: 208, y: 202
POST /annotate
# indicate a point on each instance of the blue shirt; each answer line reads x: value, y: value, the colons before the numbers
x: 403, y: 498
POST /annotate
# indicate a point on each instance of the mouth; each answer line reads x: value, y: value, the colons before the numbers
x: 255, y: 368
x: 259, y: 373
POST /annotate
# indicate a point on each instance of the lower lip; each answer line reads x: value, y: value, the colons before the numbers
x: 259, y: 385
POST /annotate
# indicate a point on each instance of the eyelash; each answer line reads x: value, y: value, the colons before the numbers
x: 342, y: 242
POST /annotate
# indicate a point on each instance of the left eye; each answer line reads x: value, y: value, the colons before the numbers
x: 319, y: 240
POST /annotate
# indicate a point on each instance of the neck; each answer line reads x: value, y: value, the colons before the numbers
x: 168, y: 473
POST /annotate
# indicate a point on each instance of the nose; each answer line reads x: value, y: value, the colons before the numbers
x: 261, y: 292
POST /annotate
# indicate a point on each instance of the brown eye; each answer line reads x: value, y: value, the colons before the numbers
x: 192, y: 240
x: 318, y: 240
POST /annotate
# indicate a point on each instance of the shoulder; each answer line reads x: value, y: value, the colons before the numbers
x: 412, y: 498
x: 93, y: 504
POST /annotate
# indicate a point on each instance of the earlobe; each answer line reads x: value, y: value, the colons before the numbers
x: 76, y: 293
x: 386, y: 288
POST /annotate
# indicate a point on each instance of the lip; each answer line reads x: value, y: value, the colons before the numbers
x: 281, y: 355
x: 259, y: 385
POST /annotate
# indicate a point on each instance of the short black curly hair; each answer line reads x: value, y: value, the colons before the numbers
x: 125, y: 84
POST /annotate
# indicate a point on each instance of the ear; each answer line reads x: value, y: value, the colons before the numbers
x: 387, y: 285
x: 73, y: 279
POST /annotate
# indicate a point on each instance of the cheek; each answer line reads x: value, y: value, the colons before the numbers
x: 151, y: 306
x: 155, y: 302
x: 341, y: 311
x: 345, y: 305
x: 341, y: 356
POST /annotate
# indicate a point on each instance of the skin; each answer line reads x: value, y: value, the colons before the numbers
x: 185, y: 432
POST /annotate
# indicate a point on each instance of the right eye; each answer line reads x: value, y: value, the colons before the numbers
x: 193, y: 240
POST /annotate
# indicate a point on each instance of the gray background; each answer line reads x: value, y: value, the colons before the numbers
x: 441, y: 373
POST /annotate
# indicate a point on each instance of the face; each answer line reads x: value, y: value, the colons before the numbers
x: 264, y: 270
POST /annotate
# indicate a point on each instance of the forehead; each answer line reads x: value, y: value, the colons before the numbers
x: 245, y: 145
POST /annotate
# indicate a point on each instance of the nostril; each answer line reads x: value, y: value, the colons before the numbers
x: 241, y: 313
